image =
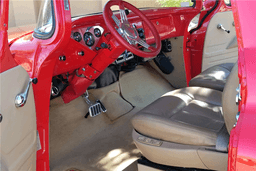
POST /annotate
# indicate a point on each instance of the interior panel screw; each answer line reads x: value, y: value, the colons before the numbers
x: 95, y: 72
x: 83, y: 69
x: 81, y: 53
x: 90, y: 76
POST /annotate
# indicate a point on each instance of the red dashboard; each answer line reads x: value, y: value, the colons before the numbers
x: 168, y: 25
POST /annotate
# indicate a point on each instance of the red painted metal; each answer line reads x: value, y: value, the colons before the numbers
x: 104, y: 58
x: 73, y: 59
x: 243, y: 146
x: 7, y: 61
x: 197, y: 37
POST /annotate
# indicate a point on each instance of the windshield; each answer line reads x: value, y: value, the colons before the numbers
x: 85, y: 7
x: 45, y: 19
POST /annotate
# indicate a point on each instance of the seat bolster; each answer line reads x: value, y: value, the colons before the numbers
x: 214, y: 77
x: 230, y: 108
x: 198, y: 93
x: 172, y: 131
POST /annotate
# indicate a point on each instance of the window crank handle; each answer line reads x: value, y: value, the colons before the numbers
x: 220, y: 26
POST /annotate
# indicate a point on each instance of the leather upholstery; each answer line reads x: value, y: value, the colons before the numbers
x: 191, y: 115
x: 230, y: 108
x: 191, y: 125
x: 214, y: 77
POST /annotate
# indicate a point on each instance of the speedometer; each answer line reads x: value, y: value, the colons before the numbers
x: 89, y: 39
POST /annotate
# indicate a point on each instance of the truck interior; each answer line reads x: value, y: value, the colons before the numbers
x: 137, y: 88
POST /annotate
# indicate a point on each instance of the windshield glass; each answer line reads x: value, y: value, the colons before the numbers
x: 85, y: 7
x: 45, y: 20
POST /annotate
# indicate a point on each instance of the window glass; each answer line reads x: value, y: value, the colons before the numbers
x: 194, y: 22
x: 85, y: 7
x: 45, y: 24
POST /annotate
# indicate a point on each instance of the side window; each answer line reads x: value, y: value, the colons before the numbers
x: 46, y: 21
x: 22, y: 17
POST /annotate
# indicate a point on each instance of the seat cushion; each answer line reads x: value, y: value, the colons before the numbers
x: 191, y: 115
x: 214, y: 77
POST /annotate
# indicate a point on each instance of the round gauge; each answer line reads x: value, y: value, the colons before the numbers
x: 88, y: 39
x: 77, y: 36
x: 97, y: 32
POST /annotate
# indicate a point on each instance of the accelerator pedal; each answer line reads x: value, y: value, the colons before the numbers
x: 94, y: 108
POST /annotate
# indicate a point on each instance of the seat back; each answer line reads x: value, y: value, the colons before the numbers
x: 229, y: 106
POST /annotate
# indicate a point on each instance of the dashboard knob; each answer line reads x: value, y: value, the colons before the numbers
x: 104, y: 45
x: 62, y: 58
x: 81, y: 53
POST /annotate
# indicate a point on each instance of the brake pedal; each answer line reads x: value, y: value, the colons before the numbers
x: 94, y: 108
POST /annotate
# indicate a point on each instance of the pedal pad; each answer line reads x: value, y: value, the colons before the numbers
x: 94, y: 108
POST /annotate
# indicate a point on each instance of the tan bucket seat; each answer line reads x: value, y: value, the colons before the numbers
x: 214, y: 77
x: 188, y: 127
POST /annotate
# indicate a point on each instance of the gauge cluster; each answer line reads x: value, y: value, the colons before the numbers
x: 88, y: 36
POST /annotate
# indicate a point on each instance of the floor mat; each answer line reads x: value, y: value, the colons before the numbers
x: 143, y: 86
x: 93, y: 144
x: 101, y: 143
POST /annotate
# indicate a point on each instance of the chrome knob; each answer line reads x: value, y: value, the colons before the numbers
x: 20, y: 100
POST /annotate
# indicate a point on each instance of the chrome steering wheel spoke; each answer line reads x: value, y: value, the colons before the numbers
x: 123, y: 15
x: 142, y: 43
x: 128, y: 31
x: 116, y: 20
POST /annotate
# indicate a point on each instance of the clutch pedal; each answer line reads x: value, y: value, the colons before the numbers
x: 94, y: 108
